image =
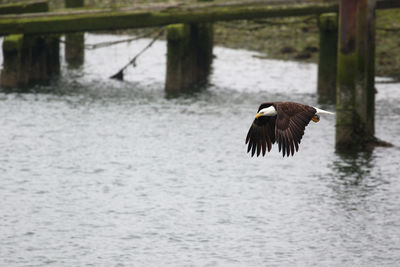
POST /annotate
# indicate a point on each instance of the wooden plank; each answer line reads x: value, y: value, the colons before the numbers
x: 109, y: 19
x: 25, y: 7
x: 386, y: 4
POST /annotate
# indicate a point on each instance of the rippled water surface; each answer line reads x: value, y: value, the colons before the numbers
x: 96, y: 172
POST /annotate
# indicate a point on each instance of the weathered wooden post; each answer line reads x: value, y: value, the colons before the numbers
x: 29, y: 59
x: 16, y: 62
x: 327, y: 64
x: 74, y: 42
x: 179, y: 64
x: 202, y: 35
x: 189, y: 56
x: 45, y: 59
x: 355, y: 78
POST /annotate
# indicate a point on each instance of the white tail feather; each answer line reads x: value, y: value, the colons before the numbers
x: 321, y: 111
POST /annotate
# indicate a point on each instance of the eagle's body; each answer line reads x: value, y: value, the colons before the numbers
x: 281, y: 122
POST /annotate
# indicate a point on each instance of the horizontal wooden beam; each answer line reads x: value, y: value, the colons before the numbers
x: 386, y: 4
x: 154, y: 15
x: 25, y: 7
x: 159, y: 14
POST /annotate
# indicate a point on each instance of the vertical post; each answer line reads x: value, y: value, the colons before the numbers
x: 203, y: 40
x: 355, y: 77
x: 16, y: 62
x: 365, y: 89
x: 327, y: 64
x: 189, y: 56
x: 29, y: 58
x: 202, y: 36
x: 53, y: 55
x: 74, y: 42
x: 179, y: 63
x: 45, y: 60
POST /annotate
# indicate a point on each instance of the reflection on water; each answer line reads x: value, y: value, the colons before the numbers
x: 103, y: 173
x: 353, y: 167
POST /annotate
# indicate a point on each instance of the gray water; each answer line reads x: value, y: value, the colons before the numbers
x: 96, y: 172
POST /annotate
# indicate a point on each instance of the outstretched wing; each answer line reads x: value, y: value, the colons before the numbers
x: 261, y: 134
x: 291, y: 121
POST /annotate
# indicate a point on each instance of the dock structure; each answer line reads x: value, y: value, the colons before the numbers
x: 347, y: 46
x: 82, y: 20
x: 29, y: 59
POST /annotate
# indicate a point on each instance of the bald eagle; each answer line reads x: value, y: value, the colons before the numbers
x: 281, y: 122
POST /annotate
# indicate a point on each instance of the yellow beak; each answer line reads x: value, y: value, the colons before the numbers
x: 258, y: 115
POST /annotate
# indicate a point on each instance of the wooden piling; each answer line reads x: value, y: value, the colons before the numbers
x: 45, y: 62
x: 29, y: 60
x: 202, y: 35
x: 16, y: 62
x: 74, y: 49
x: 53, y: 55
x: 74, y: 42
x: 179, y: 64
x: 189, y: 59
x: 365, y: 100
x: 327, y: 63
x: 203, y: 38
x: 355, y: 78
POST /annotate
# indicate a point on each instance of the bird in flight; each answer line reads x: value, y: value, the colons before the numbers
x: 281, y: 122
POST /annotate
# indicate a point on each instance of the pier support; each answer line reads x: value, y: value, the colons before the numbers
x: 45, y: 59
x: 29, y: 60
x: 189, y: 56
x: 327, y: 64
x: 355, y: 102
x: 16, y: 62
x: 74, y: 42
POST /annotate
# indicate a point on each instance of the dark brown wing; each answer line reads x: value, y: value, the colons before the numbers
x: 261, y: 134
x: 291, y: 121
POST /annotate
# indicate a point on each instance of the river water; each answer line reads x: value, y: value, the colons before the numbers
x: 96, y: 172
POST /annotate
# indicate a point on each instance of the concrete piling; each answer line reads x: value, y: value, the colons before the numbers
x: 327, y: 62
